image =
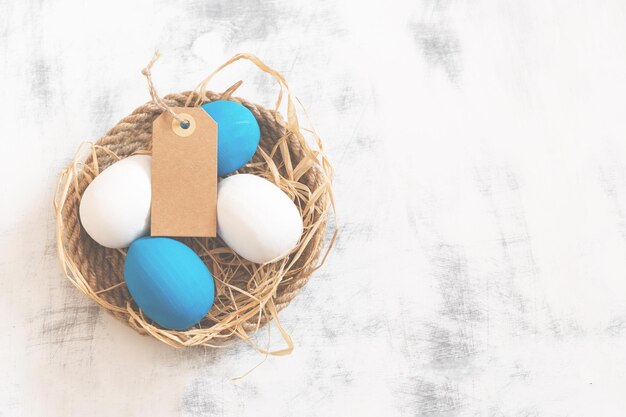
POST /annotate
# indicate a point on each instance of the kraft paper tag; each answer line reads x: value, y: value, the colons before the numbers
x: 184, y: 174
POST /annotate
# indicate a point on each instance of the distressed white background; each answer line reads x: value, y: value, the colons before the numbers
x: 480, y: 154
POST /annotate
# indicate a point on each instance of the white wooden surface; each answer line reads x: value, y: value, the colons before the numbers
x: 480, y: 164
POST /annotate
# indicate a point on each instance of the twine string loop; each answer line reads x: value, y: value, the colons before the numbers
x: 147, y: 72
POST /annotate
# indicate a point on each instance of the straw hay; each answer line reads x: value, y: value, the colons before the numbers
x: 248, y: 295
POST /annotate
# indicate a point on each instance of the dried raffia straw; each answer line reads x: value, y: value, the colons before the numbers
x: 248, y: 295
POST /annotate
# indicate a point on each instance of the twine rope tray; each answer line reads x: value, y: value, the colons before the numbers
x: 248, y: 295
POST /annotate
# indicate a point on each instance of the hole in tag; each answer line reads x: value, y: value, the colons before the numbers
x: 184, y: 128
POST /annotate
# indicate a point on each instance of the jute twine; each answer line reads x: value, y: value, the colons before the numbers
x: 248, y: 295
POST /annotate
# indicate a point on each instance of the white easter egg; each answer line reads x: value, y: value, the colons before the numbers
x: 115, y: 207
x: 256, y: 218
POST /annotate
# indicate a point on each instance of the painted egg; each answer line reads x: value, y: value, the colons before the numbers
x: 169, y: 282
x: 115, y: 207
x: 238, y: 134
x: 256, y: 218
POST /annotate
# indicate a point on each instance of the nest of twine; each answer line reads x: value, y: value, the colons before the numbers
x: 248, y: 295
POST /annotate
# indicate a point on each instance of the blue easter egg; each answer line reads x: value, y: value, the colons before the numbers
x: 169, y: 282
x: 238, y: 134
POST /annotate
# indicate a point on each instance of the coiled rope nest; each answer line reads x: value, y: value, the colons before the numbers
x: 248, y: 295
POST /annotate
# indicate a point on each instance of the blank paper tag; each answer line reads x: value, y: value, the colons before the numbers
x: 184, y: 174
